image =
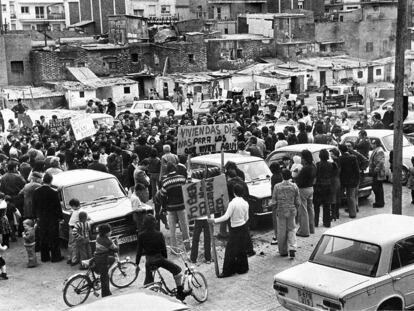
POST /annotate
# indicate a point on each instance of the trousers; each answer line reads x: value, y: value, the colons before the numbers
x: 286, y: 236
x: 306, y: 217
x: 201, y: 225
x: 180, y: 217
x: 31, y: 255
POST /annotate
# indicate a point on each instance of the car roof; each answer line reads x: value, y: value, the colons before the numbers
x: 140, y: 300
x: 299, y: 147
x: 215, y: 158
x: 151, y: 101
x: 80, y: 176
x: 379, y: 229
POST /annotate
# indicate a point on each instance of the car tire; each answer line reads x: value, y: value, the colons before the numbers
x: 393, y: 304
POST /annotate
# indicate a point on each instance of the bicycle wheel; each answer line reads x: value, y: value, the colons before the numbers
x: 76, y: 290
x: 123, y: 274
x: 156, y: 287
x: 198, y: 285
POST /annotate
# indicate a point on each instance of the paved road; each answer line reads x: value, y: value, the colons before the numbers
x: 41, y: 288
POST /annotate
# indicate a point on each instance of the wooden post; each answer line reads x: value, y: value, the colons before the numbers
x: 398, y: 107
x: 211, y: 226
x: 222, y: 161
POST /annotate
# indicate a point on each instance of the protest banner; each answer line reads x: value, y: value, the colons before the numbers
x: 195, y: 199
x: 83, y: 127
x: 202, y: 139
x: 59, y: 124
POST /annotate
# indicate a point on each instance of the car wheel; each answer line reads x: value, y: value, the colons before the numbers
x: 404, y: 176
x: 393, y: 304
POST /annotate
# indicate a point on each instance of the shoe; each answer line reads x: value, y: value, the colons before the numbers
x: 208, y: 262
x: 274, y: 241
x: 193, y: 261
x: 74, y: 263
x: 292, y: 253
x: 412, y: 202
x: 4, y: 276
x: 69, y: 262
x: 327, y: 225
x: 376, y: 205
x: 222, y: 275
x: 352, y: 216
x: 222, y: 237
x: 302, y: 235
x: 31, y: 266
x: 250, y: 254
x: 283, y: 255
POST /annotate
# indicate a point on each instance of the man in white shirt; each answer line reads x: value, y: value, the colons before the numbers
x: 235, y: 258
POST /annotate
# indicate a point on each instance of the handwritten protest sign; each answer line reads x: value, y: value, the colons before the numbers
x: 217, y: 197
x: 83, y: 127
x: 58, y: 124
x: 206, y: 138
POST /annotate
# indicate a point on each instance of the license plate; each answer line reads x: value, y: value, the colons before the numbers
x: 305, y: 297
x: 127, y: 239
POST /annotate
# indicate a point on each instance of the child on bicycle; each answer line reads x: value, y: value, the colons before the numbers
x: 152, y: 243
x: 104, y: 256
x: 80, y: 234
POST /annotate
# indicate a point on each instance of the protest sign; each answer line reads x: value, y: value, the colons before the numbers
x: 58, y: 124
x: 83, y: 127
x: 201, y: 139
x: 217, y: 197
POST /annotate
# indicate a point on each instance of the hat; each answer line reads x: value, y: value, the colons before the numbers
x: 36, y: 175
x: 3, y: 205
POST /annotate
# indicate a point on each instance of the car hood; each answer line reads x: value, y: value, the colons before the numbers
x: 110, y: 209
x: 320, y: 279
x: 260, y: 189
x: 408, y: 152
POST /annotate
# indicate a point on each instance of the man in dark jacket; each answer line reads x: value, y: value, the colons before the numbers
x: 349, y: 179
x: 363, y: 145
x: 48, y: 212
x: 95, y: 165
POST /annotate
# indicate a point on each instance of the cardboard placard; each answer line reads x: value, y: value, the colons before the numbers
x: 83, y: 127
x: 217, y: 196
x: 202, y: 139
x: 58, y: 124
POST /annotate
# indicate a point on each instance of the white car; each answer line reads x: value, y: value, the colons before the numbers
x: 386, y: 138
x: 390, y: 103
x: 141, y: 106
x: 143, y: 300
x: 365, y: 264
x: 204, y: 107
x: 257, y: 175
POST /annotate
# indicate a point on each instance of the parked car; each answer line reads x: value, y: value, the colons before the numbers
x: 143, y: 300
x: 204, y: 107
x: 382, y: 95
x: 141, y: 106
x: 365, y: 186
x: 257, y: 175
x: 341, y: 95
x: 102, y: 197
x: 386, y: 138
x: 365, y: 264
x: 390, y: 103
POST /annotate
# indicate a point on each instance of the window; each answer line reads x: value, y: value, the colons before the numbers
x: 4, y: 7
x: 24, y: 9
x: 239, y: 53
x: 127, y: 90
x: 134, y: 57
x: 17, y: 66
x: 56, y: 27
x: 40, y: 12
x: 378, y: 72
x: 341, y: 18
x: 191, y: 58
x: 360, y: 74
x: 369, y: 47
x: 226, y: 31
x: 403, y: 254
x: 81, y: 64
x: 139, y: 12
x: 165, y: 9
x: 112, y: 65
x: 27, y: 27
x: 81, y: 94
x: 300, y: 5
x: 13, y: 27
x: 151, y: 10
x: 218, y: 13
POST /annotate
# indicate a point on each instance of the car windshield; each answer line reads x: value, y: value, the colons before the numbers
x: 389, y: 141
x: 93, y: 191
x: 256, y: 170
x: 349, y: 255
x: 205, y: 105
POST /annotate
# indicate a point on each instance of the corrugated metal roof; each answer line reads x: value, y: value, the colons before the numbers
x: 14, y: 93
x: 83, y: 74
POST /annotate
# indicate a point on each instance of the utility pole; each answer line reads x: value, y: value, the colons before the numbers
x: 1, y: 18
x: 398, y: 107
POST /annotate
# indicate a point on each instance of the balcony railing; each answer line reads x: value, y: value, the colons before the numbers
x: 56, y: 16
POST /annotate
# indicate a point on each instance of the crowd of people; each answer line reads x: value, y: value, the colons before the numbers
x: 141, y: 151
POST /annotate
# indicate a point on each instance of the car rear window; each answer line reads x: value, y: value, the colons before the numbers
x: 346, y: 254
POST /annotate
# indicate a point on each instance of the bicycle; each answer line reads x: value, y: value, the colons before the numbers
x: 121, y: 274
x: 193, y: 280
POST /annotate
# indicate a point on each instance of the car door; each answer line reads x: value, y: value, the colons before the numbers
x: 402, y: 269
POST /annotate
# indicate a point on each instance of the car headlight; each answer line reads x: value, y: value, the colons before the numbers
x: 266, y: 203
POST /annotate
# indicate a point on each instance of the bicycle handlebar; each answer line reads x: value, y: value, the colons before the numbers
x: 176, y: 250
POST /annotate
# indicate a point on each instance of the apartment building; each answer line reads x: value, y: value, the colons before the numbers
x: 35, y: 14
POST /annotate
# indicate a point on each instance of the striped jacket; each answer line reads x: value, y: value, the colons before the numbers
x: 171, y: 188
x: 81, y: 230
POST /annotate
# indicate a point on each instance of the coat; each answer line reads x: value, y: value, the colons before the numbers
x: 377, y: 164
x: 46, y: 205
x: 349, y: 175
